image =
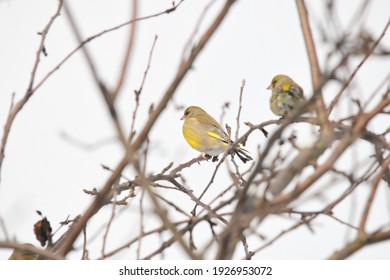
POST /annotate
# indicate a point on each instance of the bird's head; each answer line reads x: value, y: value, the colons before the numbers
x: 280, y: 81
x: 191, y: 112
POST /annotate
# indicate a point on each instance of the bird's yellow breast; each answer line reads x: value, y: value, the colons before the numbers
x: 202, y: 139
x: 191, y: 137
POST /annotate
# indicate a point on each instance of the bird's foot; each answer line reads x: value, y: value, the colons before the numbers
x: 205, y: 156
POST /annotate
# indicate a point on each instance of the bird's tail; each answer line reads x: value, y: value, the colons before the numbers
x: 242, y: 154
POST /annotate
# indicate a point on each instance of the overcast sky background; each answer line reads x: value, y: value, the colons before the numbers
x: 258, y: 39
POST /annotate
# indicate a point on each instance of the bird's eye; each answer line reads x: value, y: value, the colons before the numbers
x: 275, y: 80
x: 186, y: 113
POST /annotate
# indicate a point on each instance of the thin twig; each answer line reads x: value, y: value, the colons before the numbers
x: 29, y: 91
x: 162, y: 214
x: 190, y: 41
x: 210, y: 182
x: 136, y: 239
x: 93, y: 37
x: 139, y: 91
x: 370, y: 199
x: 239, y: 109
x: 187, y: 164
x: 141, y: 228
x: 280, y: 235
x: 110, y: 221
x: 126, y: 57
x: 107, y: 95
x: 357, y: 68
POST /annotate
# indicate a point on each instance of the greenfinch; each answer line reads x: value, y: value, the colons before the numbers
x: 204, y: 134
x: 287, y: 95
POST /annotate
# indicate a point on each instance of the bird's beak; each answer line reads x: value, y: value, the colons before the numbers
x: 183, y: 118
x: 270, y: 86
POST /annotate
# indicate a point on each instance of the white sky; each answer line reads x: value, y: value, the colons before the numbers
x: 258, y: 39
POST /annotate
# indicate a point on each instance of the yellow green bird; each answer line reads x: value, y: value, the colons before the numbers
x: 287, y: 95
x: 204, y: 134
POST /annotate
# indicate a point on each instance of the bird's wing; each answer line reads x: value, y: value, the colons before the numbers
x: 211, y: 127
x: 214, y: 131
x: 296, y: 91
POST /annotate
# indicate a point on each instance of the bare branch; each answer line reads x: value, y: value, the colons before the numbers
x: 316, y: 74
x: 374, y: 187
x: 358, y: 243
x: 29, y: 91
x: 46, y: 254
x: 126, y: 57
x: 357, y: 68
x: 139, y: 91
x: 107, y: 95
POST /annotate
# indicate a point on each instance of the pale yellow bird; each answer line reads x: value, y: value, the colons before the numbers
x: 287, y: 95
x: 204, y: 134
